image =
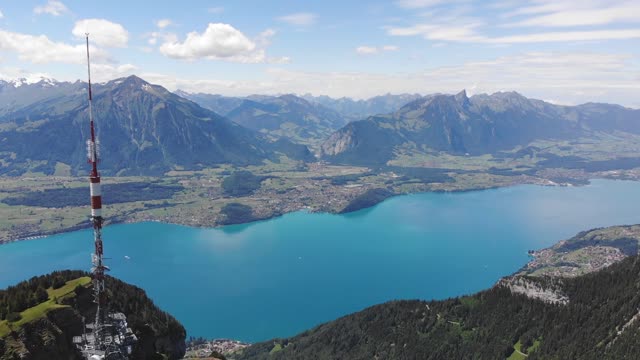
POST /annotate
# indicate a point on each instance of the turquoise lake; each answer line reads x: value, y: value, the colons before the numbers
x: 278, y: 277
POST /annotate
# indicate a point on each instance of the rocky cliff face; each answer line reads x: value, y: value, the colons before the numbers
x: 550, y: 292
x: 339, y: 142
x: 46, y: 338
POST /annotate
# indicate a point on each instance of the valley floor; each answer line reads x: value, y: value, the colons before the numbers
x: 287, y: 188
x: 35, y: 205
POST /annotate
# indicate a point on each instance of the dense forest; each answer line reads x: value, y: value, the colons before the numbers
x: 157, y: 331
x: 241, y: 183
x: 112, y: 194
x: 576, y: 162
x: 367, y: 199
x: 424, y: 175
x: 601, y: 321
x: 28, y: 293
x: 236, y: 213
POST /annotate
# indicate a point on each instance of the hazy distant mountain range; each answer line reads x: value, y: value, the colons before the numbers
x: 288, y: 116
x: 359, y: 109
x: 19, y: 94
x: 217, y: 103
x: 349, y: 109
x: 305, y: 119
x: 148, y: 130
x: 478, y: 125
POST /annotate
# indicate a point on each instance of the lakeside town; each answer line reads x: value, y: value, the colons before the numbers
x: 212, y: 349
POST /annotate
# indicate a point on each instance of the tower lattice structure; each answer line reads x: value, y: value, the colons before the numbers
x: 98, y: 269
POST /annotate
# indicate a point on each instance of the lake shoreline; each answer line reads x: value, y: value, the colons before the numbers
x: 435, y: 188
x: 533, y: 263
x: 41, y: 234
x: 416, y: 236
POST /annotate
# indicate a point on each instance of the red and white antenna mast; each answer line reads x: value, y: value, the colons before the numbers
x: 110, y: 337
x: 99, y: 268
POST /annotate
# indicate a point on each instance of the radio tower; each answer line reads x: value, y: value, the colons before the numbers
x: 108, y: 337
x: 99, y: 293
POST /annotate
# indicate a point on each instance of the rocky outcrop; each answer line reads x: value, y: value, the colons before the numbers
x: 338, y: 142
x: 46, y: 338
x: 549, y: 292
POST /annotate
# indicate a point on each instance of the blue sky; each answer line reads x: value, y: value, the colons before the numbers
x: 562, y: 51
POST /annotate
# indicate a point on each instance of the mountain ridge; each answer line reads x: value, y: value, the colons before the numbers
x: 450, y: 123
x: 287, y: 116
x: 481, y: 124
x: 150, y: 131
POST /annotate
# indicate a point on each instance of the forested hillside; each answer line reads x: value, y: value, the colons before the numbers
x: 38, y: 322
x: 600, y: 321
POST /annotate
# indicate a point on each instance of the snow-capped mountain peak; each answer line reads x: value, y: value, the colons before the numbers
x: 41, y: 79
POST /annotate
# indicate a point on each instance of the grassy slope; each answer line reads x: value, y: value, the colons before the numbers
x: 517, y: 353
x: 41, y: 309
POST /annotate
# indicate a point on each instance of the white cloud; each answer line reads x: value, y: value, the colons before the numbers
x: 215, y: 10
x: 12, y: 73
x: 106, y: 72
x: 216, y: 42
x: 163, y: 23
x: 568, y: 36
x: 299, y: 19
x: 440, y: 32
x: 469, y: 33
x: 414, y: 4
x: 568, y: 78
x: 279, y: 60
x: 221, y: 42
x: 1, y: 14
x: 155, y: 36
x: 459, y: 24
x: 450, y: 24
x: 99, y: 73
x: 52, y: 7
x: 102, y: 32
x: 563, y: 13
x: 264, y: 38
x: 40, y: 49
x: 504, y: 4
x: 371, y: 50
x: 366, y: 50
